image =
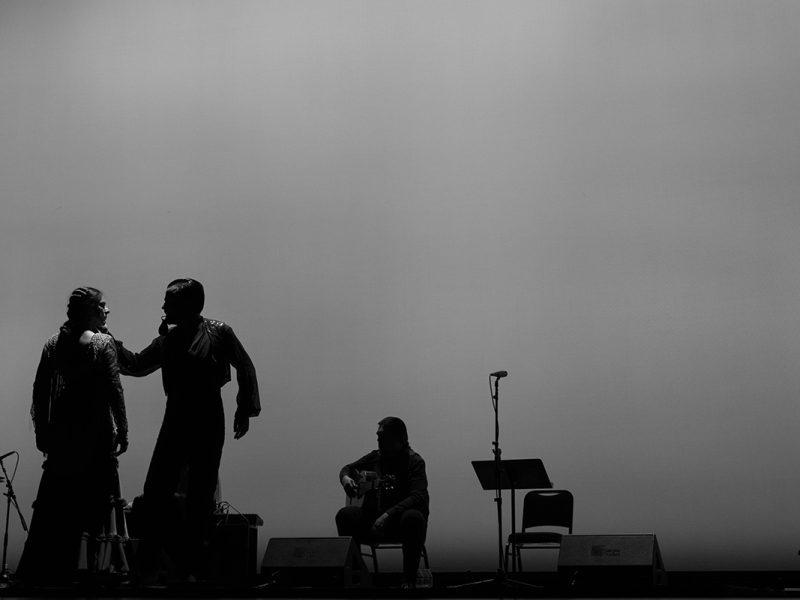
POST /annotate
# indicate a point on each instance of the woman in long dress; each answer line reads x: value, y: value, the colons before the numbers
x: 80, y: 424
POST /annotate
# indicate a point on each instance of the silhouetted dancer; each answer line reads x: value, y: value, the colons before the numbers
x: 195, y: 355
x: 396, y: 506
x: 80, y: 424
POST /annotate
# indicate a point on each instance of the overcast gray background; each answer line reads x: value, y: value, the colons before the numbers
x: 389, y: 200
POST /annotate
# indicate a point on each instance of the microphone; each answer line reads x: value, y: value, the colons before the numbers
x: 499, y: 374
x: 7, y: 454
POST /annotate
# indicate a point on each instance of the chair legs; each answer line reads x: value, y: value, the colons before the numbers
x: 515, y: 551
x: 425, y: 557
x: 373, y: 554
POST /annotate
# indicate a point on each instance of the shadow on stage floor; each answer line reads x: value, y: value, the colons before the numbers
x: 718, y: 584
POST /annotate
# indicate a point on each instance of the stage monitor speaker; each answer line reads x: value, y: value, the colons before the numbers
x: 611, y: 560
x: 331, y: 562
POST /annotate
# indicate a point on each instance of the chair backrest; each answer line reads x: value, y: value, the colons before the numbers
x: 547, y: 508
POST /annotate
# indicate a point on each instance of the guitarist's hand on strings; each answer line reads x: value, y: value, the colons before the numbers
x: 350, y: 486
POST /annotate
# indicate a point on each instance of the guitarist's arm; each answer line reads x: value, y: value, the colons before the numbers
x: 349, y: 474
x: 417, y: 495
x: 418, y: 489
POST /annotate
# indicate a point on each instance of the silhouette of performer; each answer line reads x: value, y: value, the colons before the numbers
x: 80, y: 424
x: 195, y: 355
x: 398, y: 508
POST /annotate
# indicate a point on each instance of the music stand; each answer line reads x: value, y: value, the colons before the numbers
x: 515, y: 474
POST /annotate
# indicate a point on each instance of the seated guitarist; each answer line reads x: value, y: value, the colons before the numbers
x: 396, y: 507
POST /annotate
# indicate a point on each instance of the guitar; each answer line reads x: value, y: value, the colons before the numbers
x: 371, y: 482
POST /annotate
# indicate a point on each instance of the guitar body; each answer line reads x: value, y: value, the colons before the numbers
x: 370, y: 488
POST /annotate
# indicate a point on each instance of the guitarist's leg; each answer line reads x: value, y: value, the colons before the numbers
x: 411, y: 529
x: 353, y: 521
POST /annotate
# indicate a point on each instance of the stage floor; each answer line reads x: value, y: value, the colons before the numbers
x: 686, y: 585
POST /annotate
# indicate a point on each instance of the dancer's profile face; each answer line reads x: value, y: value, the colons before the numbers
x: 171, y: 308
x: 100, y: 316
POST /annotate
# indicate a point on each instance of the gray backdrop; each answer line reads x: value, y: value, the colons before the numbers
x: 389, y: 200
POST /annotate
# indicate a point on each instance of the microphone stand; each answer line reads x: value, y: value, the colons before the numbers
x: 498, y: 471
x: 501, y: 578
x: 5, y: 574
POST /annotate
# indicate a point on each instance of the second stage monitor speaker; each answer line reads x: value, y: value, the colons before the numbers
x: 619, y: 560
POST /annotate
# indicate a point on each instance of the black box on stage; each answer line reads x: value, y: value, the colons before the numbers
x: 611, y: 560
x: 315, y: 562
x: 234, y: 548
